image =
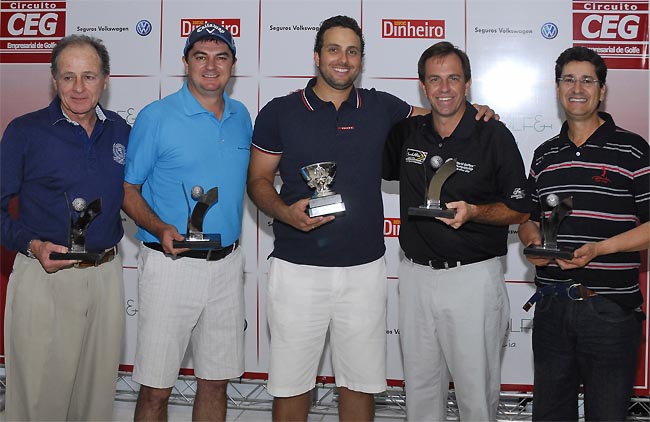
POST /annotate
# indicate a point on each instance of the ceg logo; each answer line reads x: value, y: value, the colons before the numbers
x: 232, y: 25
x: 30, y: 29
x: 617, y: 30
x: 412, y: 28
x: 391, y: 227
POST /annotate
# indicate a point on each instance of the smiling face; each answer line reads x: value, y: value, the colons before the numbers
x: 209, y: 66
x: 580, y: 101
x: 445, y: 86
x: 339, y: 61
x: 79, y: 81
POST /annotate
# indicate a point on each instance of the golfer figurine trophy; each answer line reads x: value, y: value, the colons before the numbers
x: 433, y: 207
x: 550, y: 227
x: 77, y: 231
x: 194, y: 236
x: 324, y: 201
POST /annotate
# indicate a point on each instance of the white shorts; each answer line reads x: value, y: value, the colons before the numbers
x: 187, y: 300
x: 303, y: 302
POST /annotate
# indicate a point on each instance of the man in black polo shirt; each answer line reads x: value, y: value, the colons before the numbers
x: 588, y: 320
x: 454, y: 307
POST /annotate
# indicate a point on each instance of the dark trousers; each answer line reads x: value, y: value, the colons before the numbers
x: 594, y: 342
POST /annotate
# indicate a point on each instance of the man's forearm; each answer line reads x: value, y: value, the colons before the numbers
x: 636, y: 239
x: 497, y: 214
x: 137, y: 208
x: 266, y: 198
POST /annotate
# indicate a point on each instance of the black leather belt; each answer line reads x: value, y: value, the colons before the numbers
x: 207, y: 254
x: 442, y: 265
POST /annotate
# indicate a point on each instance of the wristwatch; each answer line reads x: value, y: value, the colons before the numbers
x: 30, y: 254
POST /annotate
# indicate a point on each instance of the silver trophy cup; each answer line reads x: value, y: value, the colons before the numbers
x: 324, y: 201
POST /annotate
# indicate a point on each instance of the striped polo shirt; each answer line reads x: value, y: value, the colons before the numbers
x: 609, y: 179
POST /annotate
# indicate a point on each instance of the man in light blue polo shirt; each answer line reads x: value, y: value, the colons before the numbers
x: 197, y: 136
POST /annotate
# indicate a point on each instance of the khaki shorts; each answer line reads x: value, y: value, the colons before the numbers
x: 183, y: 301
x: 304, y: 302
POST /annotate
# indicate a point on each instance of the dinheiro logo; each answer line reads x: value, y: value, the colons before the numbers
x: 391, y: 227
x: 412, y: 28
x: 232, y: 25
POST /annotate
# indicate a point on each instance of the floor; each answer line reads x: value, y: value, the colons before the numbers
x: 123, y: 412
x: 178, y: 413
x: 249, y: 402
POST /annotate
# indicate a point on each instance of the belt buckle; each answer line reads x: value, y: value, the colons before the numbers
x: 454, y: 264
x: 570, y: 296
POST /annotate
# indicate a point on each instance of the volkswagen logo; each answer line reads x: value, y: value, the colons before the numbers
x: 143, y: 27
x: 549, y: 30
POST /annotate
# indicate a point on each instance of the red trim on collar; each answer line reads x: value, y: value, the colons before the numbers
x: 305, y: 101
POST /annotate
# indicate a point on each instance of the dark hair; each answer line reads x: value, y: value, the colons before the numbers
x: 338, y: 21
x: 581, y: 54
x: 443, y: 49
x: 80, y: 40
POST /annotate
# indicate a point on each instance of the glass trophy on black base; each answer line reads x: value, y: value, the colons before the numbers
x: 78, y: 230
x: 550, y: 227
x: 324, y: 201
x: 194, y: 236
x: 433, y: 207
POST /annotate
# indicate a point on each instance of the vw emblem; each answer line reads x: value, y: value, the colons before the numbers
x: 143, y: 27
x: 549, y: 30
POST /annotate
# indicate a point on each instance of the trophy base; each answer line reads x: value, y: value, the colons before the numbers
x: 326, y: 205
x: 92, y: 257
x: 563, y: 253
x: 209, y: 241
x: 423, y: 211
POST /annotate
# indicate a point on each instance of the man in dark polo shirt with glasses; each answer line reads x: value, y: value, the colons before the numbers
x: 588, y: 319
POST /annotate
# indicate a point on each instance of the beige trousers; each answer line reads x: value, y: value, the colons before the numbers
x: 63, y: 339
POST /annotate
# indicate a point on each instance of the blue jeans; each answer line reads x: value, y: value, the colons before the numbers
x: 594, y: 342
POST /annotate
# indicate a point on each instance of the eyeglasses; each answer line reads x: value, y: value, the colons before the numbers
x: 570, y: 80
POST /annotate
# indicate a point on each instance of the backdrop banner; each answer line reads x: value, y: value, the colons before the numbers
x: 512, y: 45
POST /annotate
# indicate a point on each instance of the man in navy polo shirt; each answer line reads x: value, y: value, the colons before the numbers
x: 197, y: 136
x: 587, y: 324
x: 453, y: 303
x: 64, y: 319
x: 326, y: 272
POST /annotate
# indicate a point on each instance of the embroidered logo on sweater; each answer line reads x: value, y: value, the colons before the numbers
x: 119, y: 153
